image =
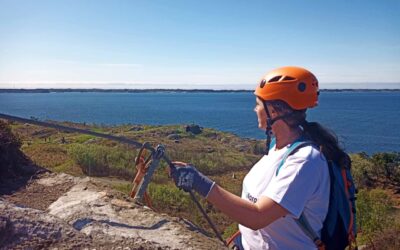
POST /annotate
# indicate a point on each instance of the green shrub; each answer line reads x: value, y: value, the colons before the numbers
x: 97, y: 160
x: 389, y: 163
x: 83, y: 138
x: 374, y: 211
x: 216, y: 162
x: 363, y: 170
x: 169, y: 196
x: 230, y: 230
x: 381, y: 167
x: 259, y: 148
x: 91, y: 159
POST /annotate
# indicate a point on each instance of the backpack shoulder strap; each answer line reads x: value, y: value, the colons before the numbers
x: 273, y: 142
x: 295, y: 146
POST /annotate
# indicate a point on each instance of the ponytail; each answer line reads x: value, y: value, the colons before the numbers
x: 323, y: 137
x: 328, y: 143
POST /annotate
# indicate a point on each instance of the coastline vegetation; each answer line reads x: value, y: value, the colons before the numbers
x: 223, y: 156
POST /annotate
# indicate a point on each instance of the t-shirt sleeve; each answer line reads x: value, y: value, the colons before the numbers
x: 295, y: 183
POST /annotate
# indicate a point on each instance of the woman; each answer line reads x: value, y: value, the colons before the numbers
x: 272, y: 200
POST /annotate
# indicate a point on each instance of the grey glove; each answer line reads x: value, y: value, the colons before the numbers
x: 187, y: 177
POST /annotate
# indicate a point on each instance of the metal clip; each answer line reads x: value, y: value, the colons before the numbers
x: 160, y: 150
x: 156, y: 156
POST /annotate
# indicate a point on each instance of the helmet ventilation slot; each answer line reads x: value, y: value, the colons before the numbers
x: 288, y: 78
x: 274, y: 79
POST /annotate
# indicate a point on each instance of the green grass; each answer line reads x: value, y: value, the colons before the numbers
x: 83, y: 138
x: 375, y: 213
x: 100, y: 130
x: 169, y: 196
x: 122, y: 187
x: 64, y: 167
x: 230, y: 230
x: 98, y: 160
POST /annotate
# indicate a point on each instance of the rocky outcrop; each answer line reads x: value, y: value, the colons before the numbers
x: 26, y: 228
x: 174, y: 137
x: 136, y: 128
x: 90, y: 214
x: 194, y: 129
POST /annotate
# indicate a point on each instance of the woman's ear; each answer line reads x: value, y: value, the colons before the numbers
x: 272, y: 111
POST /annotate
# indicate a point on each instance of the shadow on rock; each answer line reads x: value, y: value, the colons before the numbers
x: 81, y: 223
x: 16, y: 169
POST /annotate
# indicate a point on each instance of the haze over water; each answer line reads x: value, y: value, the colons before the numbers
x: 364, y: 121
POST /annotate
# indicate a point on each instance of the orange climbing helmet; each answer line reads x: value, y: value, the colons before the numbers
x: 296, y: 86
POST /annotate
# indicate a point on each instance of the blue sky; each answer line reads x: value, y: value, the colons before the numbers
x: 196, y: 44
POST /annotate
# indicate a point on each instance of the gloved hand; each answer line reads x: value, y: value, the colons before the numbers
x: 187, y: 177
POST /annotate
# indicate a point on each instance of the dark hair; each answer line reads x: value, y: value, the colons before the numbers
x: 323, y: 137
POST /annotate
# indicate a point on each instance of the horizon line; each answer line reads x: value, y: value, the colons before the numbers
x: 8, y: 90
x: 179, y: 83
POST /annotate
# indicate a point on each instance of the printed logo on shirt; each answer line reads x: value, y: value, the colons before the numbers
x: 251, y: 198
x: 247, y: 194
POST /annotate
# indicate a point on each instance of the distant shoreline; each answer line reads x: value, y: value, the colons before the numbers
x: 169, y: 90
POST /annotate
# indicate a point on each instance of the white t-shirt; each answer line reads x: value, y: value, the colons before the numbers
x: 302, y: 184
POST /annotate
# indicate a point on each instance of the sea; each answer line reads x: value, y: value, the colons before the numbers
x: 364, y: 121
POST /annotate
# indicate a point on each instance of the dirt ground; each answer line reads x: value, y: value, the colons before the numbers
x: 38, y: 196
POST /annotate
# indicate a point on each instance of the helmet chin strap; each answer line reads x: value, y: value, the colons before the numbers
x: 268, y: 130
x: 270, y: 122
